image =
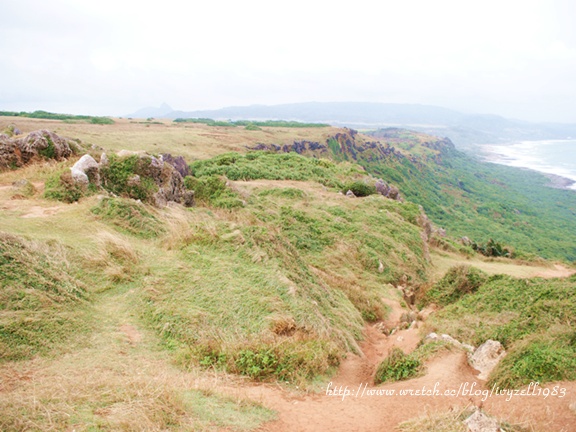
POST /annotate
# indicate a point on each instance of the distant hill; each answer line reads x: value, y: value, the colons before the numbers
x: 162, y: 111
x: 463, y: 129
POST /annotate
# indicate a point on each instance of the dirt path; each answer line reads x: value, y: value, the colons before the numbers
x: 355, y: 404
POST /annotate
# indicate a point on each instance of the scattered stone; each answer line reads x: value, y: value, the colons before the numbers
x: 104, y: 161
x: 480, y: 422
x: 486, y: 357
x: 466, y: 241
x: 350, y: 194
x: 380, y: 267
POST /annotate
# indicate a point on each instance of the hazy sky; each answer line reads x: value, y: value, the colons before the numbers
x: 515, y: 58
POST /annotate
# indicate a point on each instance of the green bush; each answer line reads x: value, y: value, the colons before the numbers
x: 119, y: 177
x: 397, y: 367
x: 212, y: 190
x: 457, y: 282
x: 359, y: 188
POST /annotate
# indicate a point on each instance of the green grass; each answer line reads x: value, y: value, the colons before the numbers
x: 40, y: 302
x: 532, y: 318
x: 129, y: 216
x: 456, y: 283
x: 54, y: 116
x: 252, y: 124
x: 270, y: 166
x: 398, y: 367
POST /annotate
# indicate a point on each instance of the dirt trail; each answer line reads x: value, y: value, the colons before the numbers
x: 380, y: 408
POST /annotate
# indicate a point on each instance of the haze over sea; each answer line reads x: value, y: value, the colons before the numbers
x: 556, y: 157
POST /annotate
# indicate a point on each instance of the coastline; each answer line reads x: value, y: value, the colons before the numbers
x: 494, y: 154
x: 559, y: 182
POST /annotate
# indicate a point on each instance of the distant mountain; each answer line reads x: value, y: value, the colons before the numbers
x: 463, y: 129
x: 162, y: 111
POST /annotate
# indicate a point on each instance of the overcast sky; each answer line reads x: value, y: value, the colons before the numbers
x: 515, y: 58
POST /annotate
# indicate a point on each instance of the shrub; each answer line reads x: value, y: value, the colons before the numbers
x: 457, y: 282
x: 213, y: 190
x: 360, y: 189
x: 397, y: 367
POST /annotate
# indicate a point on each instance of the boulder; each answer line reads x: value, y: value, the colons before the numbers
x: 394, y: 193
x: 486, y: 357
x: 381, y: 187
x: 86, y: 170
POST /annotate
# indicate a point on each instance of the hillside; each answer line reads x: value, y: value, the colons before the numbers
x: 120, y: 311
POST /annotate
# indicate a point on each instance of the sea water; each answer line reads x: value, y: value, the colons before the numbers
x: 550, y: 157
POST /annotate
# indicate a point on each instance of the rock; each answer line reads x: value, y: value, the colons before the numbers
x: 441, y: 232
x: 179, y: 163
x: 465, y: 241
x: 42, y: 144
x: 350, y: 194
x: 380, y: 267
x: 394, y: 193
x: 104, y: 161
x: 86, y: 170
x: 480, y: 422
x: 381, y: 187
x: 188, y: 198
x: 450, y: 340
x: 486, y: 357
x: 79, y: 176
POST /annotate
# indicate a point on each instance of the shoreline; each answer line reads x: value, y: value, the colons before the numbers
x: 556, y: 181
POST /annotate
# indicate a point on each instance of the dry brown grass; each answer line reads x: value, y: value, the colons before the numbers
x: 193, y: 141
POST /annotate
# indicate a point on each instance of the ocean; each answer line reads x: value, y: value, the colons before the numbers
x: 556, y: 157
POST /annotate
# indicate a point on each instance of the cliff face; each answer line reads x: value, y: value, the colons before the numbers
x: 345, y: 145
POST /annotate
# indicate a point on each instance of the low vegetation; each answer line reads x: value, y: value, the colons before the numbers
x: 530, y: 317
x: 252, y: 124
x: 54, y: 116
x: 272, y: 275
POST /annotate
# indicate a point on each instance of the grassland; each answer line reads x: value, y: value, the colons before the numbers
x: 117, y: 315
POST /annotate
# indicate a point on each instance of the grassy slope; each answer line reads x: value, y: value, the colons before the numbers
x: 279, y: 287
x: 482, y: 201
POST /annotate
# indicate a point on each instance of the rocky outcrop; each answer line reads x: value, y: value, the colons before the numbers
x: 486, y: 357
x: 37, y: 145
x: 151, y: 178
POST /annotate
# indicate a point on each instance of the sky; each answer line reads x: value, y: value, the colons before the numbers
x: 515, y: 58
